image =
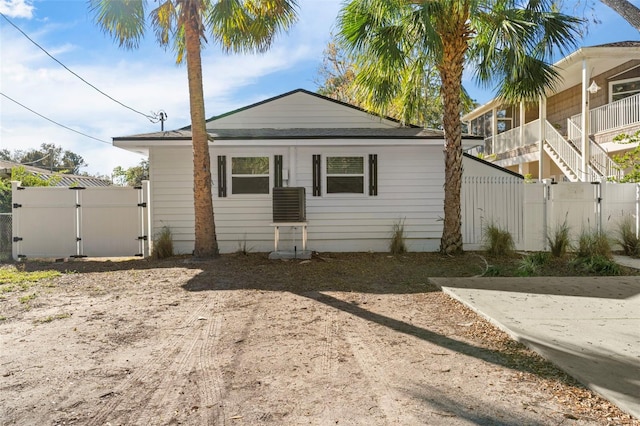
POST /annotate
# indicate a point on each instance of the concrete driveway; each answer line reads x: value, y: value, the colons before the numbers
x: 588, y: 326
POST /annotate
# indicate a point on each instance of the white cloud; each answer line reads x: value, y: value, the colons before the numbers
x: 17, y: 8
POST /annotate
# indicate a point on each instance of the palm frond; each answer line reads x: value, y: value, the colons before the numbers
x: 123, y: 20
x: 250, y: 25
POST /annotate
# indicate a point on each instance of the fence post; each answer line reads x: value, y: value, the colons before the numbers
x: 599, y: 197
x: 637, y: 210
x: 15, y: 221
x: 546, y: 193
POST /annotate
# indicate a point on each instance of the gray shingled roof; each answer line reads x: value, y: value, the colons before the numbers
x: 298, y: 133
x: 629, y: 43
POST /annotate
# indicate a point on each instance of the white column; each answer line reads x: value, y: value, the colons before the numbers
x: 542, y: 115
x: 584, y: 164
x: 522, y: 118
x: 494, y: 122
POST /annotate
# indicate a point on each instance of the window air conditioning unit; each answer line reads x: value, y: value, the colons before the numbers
x: 289, y: 205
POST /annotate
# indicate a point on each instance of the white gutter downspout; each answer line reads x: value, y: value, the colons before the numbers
x: 586, y: 130
x: 542, y: 115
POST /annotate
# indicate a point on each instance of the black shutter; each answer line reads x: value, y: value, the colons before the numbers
x: 317, y: 175
x: 277, y: 165
x: 373, y: 174
x: 222, y: 176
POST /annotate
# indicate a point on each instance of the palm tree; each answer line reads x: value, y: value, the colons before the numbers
x: 247, y: 26
x: 508, y: 42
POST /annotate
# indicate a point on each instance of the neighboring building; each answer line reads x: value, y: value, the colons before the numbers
x: 65, y: 179
x: 361, y: 174
x: 597, y: 98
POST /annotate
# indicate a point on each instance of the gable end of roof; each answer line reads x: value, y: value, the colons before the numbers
x: 307, y: 92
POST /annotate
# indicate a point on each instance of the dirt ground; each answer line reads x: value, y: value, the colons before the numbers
x: 241, y: 340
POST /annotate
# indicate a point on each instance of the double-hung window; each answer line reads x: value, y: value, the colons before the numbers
x: 250, y: 175
x: 345, y: 175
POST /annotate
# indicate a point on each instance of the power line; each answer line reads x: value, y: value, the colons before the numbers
x: 54, y: 122
x: 153, y: 119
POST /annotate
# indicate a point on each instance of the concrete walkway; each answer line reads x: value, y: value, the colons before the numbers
x: 588, y: 326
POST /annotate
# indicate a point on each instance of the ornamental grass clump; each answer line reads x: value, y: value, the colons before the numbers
x: 593, y: 254
x: 559, y: 240
x: 163, y: 244
x: 397, y: 245
x: 497, y: 241
x: 627, y: 238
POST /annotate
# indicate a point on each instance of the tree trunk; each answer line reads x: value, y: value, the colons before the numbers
x: 454, y: 41
x: 206, y: 244
x: 627, y: 10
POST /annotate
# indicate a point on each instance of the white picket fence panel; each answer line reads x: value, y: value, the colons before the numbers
x: 53, y: 222
x: 497, y: 200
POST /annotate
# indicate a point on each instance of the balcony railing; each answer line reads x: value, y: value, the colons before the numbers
x: 611, y: 116
x: 509, y: 140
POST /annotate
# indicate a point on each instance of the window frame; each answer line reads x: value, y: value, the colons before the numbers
x: 326, y: 175
x: 231, y: 175
x: 625, y: 80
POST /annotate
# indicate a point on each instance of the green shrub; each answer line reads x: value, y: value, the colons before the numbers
x: 397, y: 244
x: 627, y: 238
x: 559, y: 240
x: 597, y: 265
x: 497, y: 241
x: 531, y: 264
x: 163, y: 244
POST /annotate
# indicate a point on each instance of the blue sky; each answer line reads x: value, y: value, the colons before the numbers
x: 148, y: 80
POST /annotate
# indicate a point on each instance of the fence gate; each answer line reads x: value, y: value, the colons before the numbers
x: 79, y: 222
x: 577, y: 203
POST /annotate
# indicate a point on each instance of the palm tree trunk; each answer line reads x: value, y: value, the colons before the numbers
x: 206, y: 244
x: 451, y: 66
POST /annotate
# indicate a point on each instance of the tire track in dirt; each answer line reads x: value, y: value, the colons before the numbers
x: 328, y: 360
x: 133, y: 390
x: 363, y: 341
x: 210, y: 382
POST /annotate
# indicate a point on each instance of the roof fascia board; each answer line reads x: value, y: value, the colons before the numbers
x: 297, y: 142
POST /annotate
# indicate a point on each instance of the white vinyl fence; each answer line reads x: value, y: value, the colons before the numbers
x: 56, y: 222
x: 530, y: 210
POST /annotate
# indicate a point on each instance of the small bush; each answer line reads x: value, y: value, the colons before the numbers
x: 597, y: 264
x: 532, y: 264
x: 559, y: 241
x: 627, y: 238
x: 592, y: 244
x: 397, y: 244
x: 497, y: 241
x: 243, y: 248
x: 492, y: 271
x: 163, y: 244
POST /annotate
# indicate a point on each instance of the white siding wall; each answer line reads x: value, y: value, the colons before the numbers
x: 300, y: 110
x: 171, y: 176
x: 410, y: 188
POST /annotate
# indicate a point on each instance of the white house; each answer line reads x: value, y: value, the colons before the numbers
x: 361, y: 174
